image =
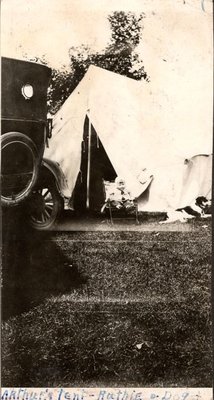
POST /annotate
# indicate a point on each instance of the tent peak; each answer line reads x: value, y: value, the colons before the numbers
x: 94, y: 70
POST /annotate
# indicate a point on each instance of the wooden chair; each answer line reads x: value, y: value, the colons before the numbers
x: 115, y: 213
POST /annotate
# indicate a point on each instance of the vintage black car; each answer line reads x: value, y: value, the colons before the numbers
x: 24, y: 127
x: 27, y: 180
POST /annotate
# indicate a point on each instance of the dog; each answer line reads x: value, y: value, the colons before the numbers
x: 195, y: 210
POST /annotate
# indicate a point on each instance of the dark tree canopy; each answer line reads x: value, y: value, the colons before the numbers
x: 125, y: 28
x: 119, y: 56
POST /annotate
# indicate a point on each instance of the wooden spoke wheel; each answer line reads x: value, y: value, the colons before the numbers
x: 45, y: 206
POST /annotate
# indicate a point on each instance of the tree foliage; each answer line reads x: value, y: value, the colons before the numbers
x: 125, y: 28
x: 119, y: 56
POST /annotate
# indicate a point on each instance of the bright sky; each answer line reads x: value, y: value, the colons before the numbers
x: 51, y: 27
x: 176, y: 48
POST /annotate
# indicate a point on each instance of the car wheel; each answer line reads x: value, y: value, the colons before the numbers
x: 45, y: 206
x: 19, y: 167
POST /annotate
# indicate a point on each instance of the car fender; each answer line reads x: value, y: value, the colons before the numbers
x: 61, y: 182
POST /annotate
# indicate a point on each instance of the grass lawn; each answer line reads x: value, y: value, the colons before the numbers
x: 108, y: 309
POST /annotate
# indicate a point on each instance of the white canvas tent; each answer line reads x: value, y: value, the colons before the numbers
x: 135, y: 133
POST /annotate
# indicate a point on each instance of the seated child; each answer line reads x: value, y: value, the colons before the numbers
x: 120, y: 197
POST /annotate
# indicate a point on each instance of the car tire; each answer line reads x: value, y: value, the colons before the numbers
x: 16, y: 149
x: 44, y: 206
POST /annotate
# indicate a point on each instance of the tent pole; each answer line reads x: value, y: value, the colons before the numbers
x: 89, y: 165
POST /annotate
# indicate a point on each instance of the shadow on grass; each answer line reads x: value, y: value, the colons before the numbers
x: 163, y: 339
x: 33, y: 267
